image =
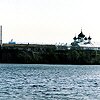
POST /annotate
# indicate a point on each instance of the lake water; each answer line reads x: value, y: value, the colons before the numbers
x: 49, y: 82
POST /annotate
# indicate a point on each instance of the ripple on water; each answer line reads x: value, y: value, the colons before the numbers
x: 49, y: 82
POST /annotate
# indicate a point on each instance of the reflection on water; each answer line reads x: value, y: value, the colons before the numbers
x: 49, y: 82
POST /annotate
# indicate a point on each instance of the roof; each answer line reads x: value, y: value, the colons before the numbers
x: 82, y: 44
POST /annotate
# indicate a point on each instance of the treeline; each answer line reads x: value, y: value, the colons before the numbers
x: 50, y: 56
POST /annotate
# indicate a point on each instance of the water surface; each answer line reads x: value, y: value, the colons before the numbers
x: 49, y: 82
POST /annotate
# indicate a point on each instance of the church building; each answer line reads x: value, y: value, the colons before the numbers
x: 84, y: 43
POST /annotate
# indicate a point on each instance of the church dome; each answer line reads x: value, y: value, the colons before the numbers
x: 89, y: 38
x: 75, y: 38
x: 85, y: 38
x: 81, y: 35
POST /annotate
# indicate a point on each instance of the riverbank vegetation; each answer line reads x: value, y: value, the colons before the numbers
x: 51, y: 56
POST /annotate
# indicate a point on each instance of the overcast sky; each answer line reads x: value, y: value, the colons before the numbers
x: 49, y: 21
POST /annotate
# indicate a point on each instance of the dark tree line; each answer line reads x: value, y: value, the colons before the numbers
x: 50, y: 56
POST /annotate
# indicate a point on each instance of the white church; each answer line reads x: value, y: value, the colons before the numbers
x: 84, y: 43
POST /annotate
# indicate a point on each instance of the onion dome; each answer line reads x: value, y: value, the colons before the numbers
x: 81, y: 35
x: 75, y: 38
x: 85, y: 38
x: 89, y: 38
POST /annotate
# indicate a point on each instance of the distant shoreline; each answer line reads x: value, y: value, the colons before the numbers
x: 48, y: 54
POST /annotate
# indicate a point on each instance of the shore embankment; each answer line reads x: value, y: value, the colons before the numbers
x: 47, y: 54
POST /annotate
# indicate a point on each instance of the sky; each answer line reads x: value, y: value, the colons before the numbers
x: 49, y: 21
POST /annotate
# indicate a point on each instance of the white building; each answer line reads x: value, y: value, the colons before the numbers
x: 84, y: 43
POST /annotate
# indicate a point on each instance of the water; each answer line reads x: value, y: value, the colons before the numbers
x: 49, y: 82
